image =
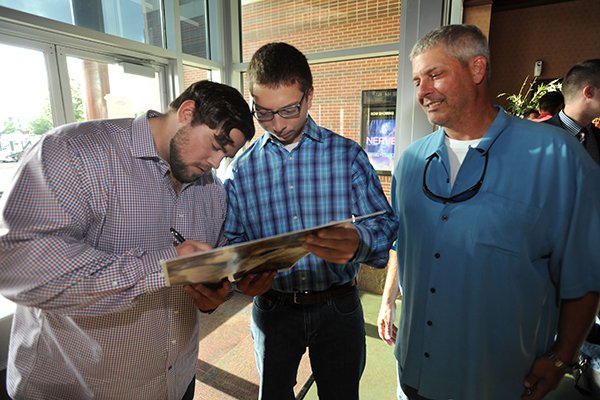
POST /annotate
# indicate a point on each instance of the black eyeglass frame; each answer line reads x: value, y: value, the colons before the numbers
x: 297, y: 105
x: 459, y: 197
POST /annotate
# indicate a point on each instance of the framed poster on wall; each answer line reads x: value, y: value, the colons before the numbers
x: 378, y: 128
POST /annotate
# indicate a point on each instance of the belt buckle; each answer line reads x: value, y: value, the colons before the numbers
x: 295, y: 297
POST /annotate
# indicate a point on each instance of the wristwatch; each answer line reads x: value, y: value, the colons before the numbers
x: 558, y: 363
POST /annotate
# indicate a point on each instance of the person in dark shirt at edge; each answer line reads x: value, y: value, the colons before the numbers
x: 581, y: 89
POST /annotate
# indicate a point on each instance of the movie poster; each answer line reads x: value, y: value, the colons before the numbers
x: 379, y: 128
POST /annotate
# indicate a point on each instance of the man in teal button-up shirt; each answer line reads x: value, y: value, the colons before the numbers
x: 495, y: 253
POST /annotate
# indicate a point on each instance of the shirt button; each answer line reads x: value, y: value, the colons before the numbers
x: 429, y: 323
x: 295, y: 217
x: 115, y: 284
x: 437, y: 255
x: 426, y: 355
x: 432, y: 290
x: 444, y: 218
x: 173, y: 341
x: 176, y: 312
x: 291, y: 187
x: 170, y: 367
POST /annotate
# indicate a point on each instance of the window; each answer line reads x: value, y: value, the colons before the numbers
x: 139, y: 20
x: 25, y: 107
x: 35, y: 75
x: 112, y: 90
x: 194, y: 74
x: 193, y: 25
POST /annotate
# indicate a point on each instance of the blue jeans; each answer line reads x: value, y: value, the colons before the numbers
x: 334, y: 334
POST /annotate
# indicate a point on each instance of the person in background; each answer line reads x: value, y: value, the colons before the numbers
x: 300, y: 175
x: 499, y: 278
x: 581, y: 85
x: 83, y: 229
x: 550, y: 103
x: 531, y: 113
x: 581, y: 88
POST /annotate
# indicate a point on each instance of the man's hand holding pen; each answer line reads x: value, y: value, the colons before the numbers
x: 206, y: 297
x: 209, y: 296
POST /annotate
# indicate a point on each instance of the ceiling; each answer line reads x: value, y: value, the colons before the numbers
x: 505, y: 5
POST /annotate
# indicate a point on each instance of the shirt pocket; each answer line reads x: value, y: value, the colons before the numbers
x: 503, y: 224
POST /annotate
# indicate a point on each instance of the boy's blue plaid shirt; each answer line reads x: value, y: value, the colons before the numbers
x: 325, y: 178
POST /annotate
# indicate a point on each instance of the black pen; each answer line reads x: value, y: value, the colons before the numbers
x: 177, y: 236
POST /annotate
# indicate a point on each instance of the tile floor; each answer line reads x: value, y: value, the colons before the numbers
x: 227, y: 370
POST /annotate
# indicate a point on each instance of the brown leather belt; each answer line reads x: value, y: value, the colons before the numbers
x: 321, y: 297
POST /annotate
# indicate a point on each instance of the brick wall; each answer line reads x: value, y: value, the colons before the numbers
x: 192, y: 74
x: 315, y: 26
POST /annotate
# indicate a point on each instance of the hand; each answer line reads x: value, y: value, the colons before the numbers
x: 385, y: 323
x: 337, y: 245
x: 191, y: 246
x: 541, y: 379
x: 256, y: 284
x: 209, y: 297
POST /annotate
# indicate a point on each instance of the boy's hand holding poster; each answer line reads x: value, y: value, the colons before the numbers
x: 278, y: 252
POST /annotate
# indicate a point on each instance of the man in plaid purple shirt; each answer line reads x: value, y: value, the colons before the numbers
x: 82, y: 232
x: 299, y: 175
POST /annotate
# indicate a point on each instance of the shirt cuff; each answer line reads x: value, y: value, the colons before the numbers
x: 363, y: 251
x: 153, y: 269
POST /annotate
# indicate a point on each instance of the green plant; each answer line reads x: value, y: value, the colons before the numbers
x: 520, y: 103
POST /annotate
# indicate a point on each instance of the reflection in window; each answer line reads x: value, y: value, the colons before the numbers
x: 193, y: 27
x: 139, y: 20
x: 25, y: 112
x: 102, y: 90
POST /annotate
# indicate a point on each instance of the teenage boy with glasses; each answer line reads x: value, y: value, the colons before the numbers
x: 299, y: 175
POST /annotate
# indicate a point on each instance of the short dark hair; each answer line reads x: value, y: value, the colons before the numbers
x: 580, y: 75
x: 276, y: 64
x: 551, y: 102
x: 219, y: 107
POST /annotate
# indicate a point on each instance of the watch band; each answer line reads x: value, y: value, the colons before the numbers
x: 558, y: 363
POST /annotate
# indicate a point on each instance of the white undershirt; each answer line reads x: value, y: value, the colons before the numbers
x: 291, y: 146
x: 457, y: 150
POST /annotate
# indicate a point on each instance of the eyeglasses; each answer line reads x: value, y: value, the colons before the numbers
x: 292, y: 111
x: 459, y: 197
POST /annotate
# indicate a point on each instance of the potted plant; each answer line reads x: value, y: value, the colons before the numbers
x: 518, y: 104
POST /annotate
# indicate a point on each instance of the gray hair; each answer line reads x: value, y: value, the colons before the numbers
x: 462, y: 42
